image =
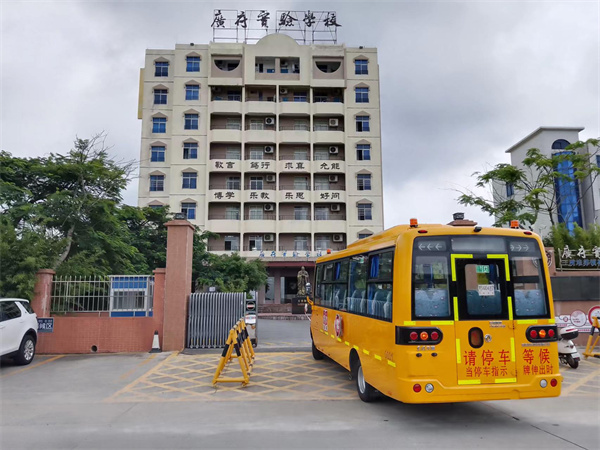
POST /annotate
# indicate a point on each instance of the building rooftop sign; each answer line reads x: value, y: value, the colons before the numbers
x: 306, y: 27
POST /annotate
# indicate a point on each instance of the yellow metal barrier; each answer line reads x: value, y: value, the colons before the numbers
x: 591, y: 343
x: 239, y: 341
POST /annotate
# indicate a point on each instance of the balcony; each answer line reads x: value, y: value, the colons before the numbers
x: 321, y: 107
x: 295, y: 223
x: 329, y: 166
x: 294, y: 107
x: 294, y: 134
x: 228, y: 104
x: 225, y: 165
x: 337, y: 195
x: 259, y: 134
x: 291, y: 193
x: 259, y: 165
x: 329, y: 134
x: 294, y: 165
x: 266, y: 225
x: 331, y: 224
x: 226, y: 133
x: 224, y: 223
x: 223, y: 193
x: 265, y: 106
x: 266, y: 194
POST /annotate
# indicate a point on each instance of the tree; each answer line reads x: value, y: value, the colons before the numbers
x: 231, y: 273
x: 534, y: 185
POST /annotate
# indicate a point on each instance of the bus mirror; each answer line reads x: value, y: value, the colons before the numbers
x: 308, y: 288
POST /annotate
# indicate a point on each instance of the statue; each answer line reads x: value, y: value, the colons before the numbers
x: 302, y: 281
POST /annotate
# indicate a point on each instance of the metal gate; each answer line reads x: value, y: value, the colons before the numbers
x: 210, y: 317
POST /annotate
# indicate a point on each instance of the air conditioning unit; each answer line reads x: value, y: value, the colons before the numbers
x: 269, y: 237
x: 283, y: 91
x: 333, y: 178
x: 336, y: 207
x: 270, y: 121
x: 334, y: 150
x: 334, y: 122
x: 269, y: 149
x: 338, y: 238
x: 269, y: 207
x: 270, y: 179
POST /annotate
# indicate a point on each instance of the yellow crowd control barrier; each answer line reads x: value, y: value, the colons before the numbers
x: 239, y: 341
x: 591, y: 343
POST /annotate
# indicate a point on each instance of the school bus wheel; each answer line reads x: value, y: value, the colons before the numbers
x: 317, y: 354
x: 366, y: 392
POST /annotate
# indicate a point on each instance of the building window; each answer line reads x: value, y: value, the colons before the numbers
x: 301, y: 155
x: 192, y: 92
x: 234, y: 96
x: 155, y: 207
x: 255, y: 212
x: 191, y: 122
x: 362, y: 123
x: 232, y: 212
x: 256, y: 183
x: 157, y: 183
x: 362, y: 95
x: 257, y: 124
x: 364, y: 235
x: 233, y: 183
x: 233, y: 124
x: 301, y: 183
x: 510, y: 189
x: 322, y: 243
x: 363, y: 152
x: 189, y: 180
x: 321, y: 125
x: 157, y: 154
x: 189, y: 209
x: 363, y: 182
x: 567, y: 193
x: 190, y: 150
x: 560, y: 144
x: 161, y: 69
x: 255, y: 242
x: 321, y: 154
x: 159, y: 125
x: 598, y: 160
x: 364, y: 212
x: 361, y: 67
x: 300, y: 97
x: 256, y: 153
x: 160, y: 96
x: 300, y: 243
x: 232, y: 243
x: 193, y: 64
x: 301, y: 213
x: 233, y: 153
x: 321, y: 213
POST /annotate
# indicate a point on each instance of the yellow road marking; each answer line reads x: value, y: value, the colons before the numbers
x: 581, y: 382
x: 131, y: 371
x: 54, y: 358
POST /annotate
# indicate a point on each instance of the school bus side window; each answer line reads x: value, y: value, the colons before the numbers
x: 379, y: 286
x: 340, y: 276
x: 318, y: 285
x: 430, y: 284
x: 357, y: 289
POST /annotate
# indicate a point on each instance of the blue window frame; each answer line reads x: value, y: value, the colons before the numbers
x: 159, y: 125
x: 189, y: 180
x: 190, y: 150
x: 598, y: 160
x: 365, y: 212
x: 363, y: 182
x: 364, y: 235
x: 362, y: 123
x: 193, y: 64
x: 189, y: 209
x: 157, y: 153
x: 161, y: 69
x: 363, y: 152
x: 191, y: 122
x: 567, y: 194
x: 160, y: 96
x: 361, y: 67
x: 510, y: 189
x: 192, y: 92
x: 155, y: 206
x: 157, y: 183
x: 362, y: 94
x: 560, y: 144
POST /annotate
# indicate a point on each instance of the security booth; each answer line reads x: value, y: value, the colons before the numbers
x: 131, y: 295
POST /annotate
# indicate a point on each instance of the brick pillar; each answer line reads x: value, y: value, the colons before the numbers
x: 178, y: 283
x: 42, y: 292
x: 158, y: 302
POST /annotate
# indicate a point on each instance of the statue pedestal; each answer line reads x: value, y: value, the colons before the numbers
x: 298, y: 303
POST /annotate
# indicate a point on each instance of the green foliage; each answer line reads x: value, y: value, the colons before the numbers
x: 560, y: 237
x: 533, y: 184
x: 231, y: 273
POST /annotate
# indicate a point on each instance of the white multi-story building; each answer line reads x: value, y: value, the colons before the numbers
x: 577, y: 202
x: 275, y: 146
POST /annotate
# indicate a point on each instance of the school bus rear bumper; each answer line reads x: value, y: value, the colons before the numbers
x: 479, y: 392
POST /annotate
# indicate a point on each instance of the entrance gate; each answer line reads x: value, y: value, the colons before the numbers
x: 210, y: 317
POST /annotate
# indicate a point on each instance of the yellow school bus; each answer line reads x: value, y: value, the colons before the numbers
x: 439, y: 313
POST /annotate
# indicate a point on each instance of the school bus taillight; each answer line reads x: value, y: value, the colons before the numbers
x: 424, y: 336
x: 550, y: 332
x: 417, y: 388
x: 533, y: 334
x: 413, y: 336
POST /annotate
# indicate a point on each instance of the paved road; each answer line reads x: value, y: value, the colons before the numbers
x: 275, y: 334
x: 166, y: 401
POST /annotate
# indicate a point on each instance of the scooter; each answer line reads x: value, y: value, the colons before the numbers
x: 567, y: 352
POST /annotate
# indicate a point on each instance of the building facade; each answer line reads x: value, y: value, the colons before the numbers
x: 275, y: 146
x: 577, y: 202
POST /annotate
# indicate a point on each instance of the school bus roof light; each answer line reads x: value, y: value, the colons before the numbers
x: 414, y: 223
x: 514, y: 224
x: 329, y: 251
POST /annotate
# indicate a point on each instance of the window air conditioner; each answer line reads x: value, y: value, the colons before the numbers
x: 333, y: 178
x: 336, y: 207
x: 338, y: 238
x: 270, y: 179
x: 334, y: 122
x: 269, y: 237
x: 270, y: 121
x: 269, y: 207
x: 269, y: 149
x: 333, y: 150
x: 283, y: 91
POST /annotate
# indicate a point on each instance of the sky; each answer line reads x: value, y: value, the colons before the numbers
x: 461, y: 82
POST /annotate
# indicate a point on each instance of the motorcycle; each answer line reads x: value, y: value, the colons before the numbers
x: 567, y: 352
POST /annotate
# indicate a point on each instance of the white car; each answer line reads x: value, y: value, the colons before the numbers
x: 18, y: 330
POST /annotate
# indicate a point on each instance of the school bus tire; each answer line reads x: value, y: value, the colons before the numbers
x: 317, y: 354
x: 366, y: 392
